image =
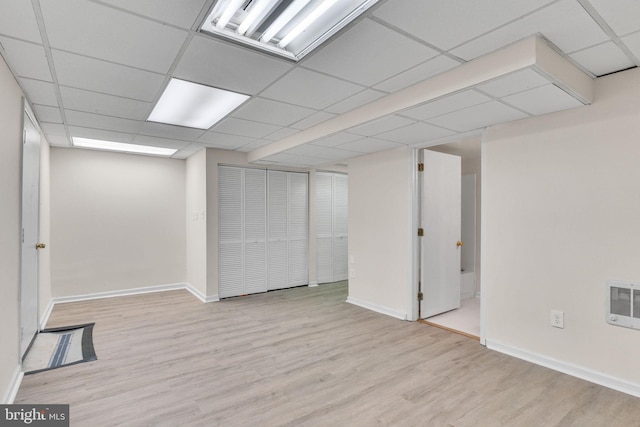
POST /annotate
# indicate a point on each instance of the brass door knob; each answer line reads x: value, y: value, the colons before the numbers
x: 40, y: 245
x: 459, y: 243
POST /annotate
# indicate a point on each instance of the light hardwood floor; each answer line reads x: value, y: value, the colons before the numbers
x: 301, y: 357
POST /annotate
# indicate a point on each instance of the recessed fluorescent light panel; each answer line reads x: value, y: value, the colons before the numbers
x: 120, y: 146
x: 194, y: 105
x: 288, y: 28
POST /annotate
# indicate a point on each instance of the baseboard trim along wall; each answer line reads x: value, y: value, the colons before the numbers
x: 45, y: 316
x: 14, y: 385
x: 377, y: 308
x: 136, y: 291
x: 566, y: 368
x: 313, y: 284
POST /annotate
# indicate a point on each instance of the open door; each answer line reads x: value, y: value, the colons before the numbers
x: 30, y: 244
x: 440, y: 245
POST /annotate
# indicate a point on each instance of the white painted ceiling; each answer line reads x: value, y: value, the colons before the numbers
x: 95, y: 68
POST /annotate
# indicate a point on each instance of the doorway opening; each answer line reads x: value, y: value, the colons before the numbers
x: 465, y: 318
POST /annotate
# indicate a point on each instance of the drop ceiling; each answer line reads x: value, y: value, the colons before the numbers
x: 95, y: 68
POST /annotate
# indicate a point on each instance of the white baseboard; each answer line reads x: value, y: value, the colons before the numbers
x: 567, y: 368
x: 313, y: 284
x: 377, y: 308
x: 45, y: 316
x: 136, y: 291
x: 14, y: 385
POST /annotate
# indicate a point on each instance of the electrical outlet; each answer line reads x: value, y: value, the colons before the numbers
x: 557, y: 319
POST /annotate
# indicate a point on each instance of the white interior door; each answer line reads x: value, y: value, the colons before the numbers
x: 324, y: 227
x: 441, y: 218
x: 340, y: 227
x: 30, y: 218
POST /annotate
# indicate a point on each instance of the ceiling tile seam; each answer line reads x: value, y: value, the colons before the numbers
x: 593, y: 13
x: 417, y: 39
x: 459, y: 60
x: 138, y: 15
x: 204, y: 12
x: 459, y: 136
x: 473, y: 39
x: 37, y: 10
x: 108, y: 61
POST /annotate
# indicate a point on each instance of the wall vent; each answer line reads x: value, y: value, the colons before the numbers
x: 623, y: 304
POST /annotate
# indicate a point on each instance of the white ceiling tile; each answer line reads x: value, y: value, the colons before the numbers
x: 182, y: 13
x: 381, y: 125
x: 368, y: 145
x: 449, y: 23
x: 354, y: 57
x: 335, y: 154
x: 337, y: 139
x: 223, y: 140
x: 632, y: 41
x: 58, y: 141
x: 102, y: 32
x: 308, y: 161
x: 446, y: 105
x: 281, y: 133
x: 254, y: 144
x: 100, y: 134
x: 280, y: 157
x: 413, y: 134
x: 603, y: 59
x: 273, y: 112
x: 219, y: 64
x: 54, y: 129
x: 312, y: 120
x: 187, y: 151
x: 241, y: 127
x: 623, y: 16
x: 304, y: 150
x: 310, y: 89
x: 513, y: 83
x: 84, y: 119
x: 108, y: 105
x: 39, y: 92
x: 45, y: 113
x: 478, y: 116
x: 418, y: 73
x: 26, y: 59
x: 542, y: 100
x: 162, y: 130
x: 18, y: 20
x: 566, y: 24
x: 355, y: 101
x: 106, y: 77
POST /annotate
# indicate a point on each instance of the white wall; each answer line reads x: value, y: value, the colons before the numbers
x: 10, y: 177
x: 380, y: 231
x: 117, y: 221
x: 562, y: 209
x: 196, y: 200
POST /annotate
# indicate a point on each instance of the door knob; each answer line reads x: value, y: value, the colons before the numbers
x: 459, y: 243
x: 40, y: 245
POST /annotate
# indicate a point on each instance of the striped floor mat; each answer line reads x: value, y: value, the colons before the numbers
x: 57, y: 347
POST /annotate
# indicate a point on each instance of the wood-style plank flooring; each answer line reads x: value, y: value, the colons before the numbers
x: 301, y: 357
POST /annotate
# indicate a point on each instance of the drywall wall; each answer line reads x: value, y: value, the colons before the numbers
x: 44, y: 255
x: 117, y: 221
x: 380, y: 231
x: 196, y: 200
x: 10, y: 178
x: 562, y: 203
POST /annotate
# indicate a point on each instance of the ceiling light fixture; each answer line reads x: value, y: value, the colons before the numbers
x: 120, y: 146
x: 288, y: 28
x: 194, y: 105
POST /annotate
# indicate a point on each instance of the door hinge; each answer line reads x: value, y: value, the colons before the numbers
x: 420, y: 296
x: 420, y: 232
x: 420, y: 167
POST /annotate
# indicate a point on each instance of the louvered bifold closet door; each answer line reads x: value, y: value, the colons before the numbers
x: 340, y: 227
x: 277, y: 217
x: 324, y: 227
x: 255, y: 231
x: 298, y: 229
x: 230, y: 232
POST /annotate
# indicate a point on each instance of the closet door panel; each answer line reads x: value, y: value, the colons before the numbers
x: 324, y: 227
x: 298, y: 229
x: 277, y: 228
x: 230, y: 244
x: 255, y: 231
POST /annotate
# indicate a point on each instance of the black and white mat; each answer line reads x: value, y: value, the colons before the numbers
x: 57, y: 347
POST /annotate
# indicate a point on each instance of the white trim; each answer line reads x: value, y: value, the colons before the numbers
x: 575, y: 371
x: 313, y: 284
x: 14, y: 386
x: 483, y: 238
x: 377, y: 308
x: 46, y: 314
x: 136, y: 291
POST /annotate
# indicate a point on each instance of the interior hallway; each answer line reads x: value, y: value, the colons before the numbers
x: 301, y: 357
